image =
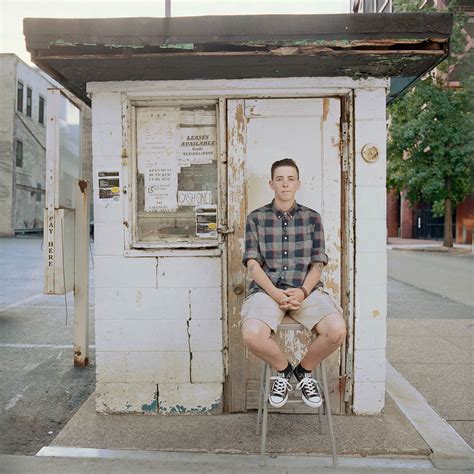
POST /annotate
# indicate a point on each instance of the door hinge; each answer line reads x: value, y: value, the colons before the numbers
x: 342, y: 383
x: 345, y: 146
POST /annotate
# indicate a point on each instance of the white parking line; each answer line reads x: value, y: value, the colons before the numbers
x: 18, y: 303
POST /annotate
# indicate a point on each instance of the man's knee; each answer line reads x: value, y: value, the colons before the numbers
x: 254, y: 331
x: 337, y: 332
x: 334, y: 328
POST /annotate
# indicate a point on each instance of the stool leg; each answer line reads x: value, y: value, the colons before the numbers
x: 329, y: 414
x: 265, y: 414
x: 260, y: 397
x: 320, y: 409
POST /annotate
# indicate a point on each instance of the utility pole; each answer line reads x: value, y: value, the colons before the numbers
x: 168, y: 8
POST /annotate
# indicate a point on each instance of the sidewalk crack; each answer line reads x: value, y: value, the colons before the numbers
x: 188, y: 324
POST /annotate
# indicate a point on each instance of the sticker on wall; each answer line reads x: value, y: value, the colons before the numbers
x: 194, y: 198
x: 197, y: 146
x: 206, y: 221
x: 109, y: 185
x: 161, y: 187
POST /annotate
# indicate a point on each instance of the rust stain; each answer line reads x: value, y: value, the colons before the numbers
x: 375, y: 313
x: 325, y: 108
x: 124, y: 153
x: 83, y: 185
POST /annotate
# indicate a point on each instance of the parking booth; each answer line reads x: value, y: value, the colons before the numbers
x: 188, y: 114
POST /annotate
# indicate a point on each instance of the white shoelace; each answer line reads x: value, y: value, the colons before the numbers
x: 280, y: 385
x: 310, y: 386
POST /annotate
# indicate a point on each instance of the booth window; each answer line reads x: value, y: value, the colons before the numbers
x: 176, y: 175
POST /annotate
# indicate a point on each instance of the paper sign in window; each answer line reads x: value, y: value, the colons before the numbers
x: 197, y: 145
x: 161, y: 187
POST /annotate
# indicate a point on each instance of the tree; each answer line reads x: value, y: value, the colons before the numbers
x: 431, y: 137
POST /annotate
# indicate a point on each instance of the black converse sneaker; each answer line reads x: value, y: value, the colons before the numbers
x: 279, y: 392
x: 310, y: 392
x: 281, y: 386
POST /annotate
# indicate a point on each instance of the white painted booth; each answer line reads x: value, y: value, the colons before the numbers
x: 182, y: 155
x: 164, y: 323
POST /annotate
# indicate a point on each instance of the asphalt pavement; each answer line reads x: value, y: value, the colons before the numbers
x: 40, y: 389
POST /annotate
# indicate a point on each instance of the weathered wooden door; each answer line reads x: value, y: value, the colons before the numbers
x: 261, y: 131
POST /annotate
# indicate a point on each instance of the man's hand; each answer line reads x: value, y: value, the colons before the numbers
x: 283, y: 300
x: 296, y: 297
x: 288, y: 299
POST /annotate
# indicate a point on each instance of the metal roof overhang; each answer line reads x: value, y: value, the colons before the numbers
x: 402, y: 46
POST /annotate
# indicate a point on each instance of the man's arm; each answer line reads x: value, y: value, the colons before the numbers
x: 313, y: 276
x: 263, y: 281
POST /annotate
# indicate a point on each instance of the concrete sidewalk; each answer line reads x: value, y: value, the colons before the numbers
x: 408, y: 436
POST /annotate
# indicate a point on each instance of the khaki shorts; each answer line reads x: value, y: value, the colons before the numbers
x: 264, y: 308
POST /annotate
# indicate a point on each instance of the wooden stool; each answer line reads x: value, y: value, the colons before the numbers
x: 289, y: 324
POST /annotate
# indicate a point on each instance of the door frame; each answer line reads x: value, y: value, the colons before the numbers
x: 235, y: 373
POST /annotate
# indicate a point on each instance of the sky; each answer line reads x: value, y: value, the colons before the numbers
x: 12, y: 12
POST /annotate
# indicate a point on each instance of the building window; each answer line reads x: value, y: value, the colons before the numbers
x: 38, y: 194
x: 19, y: 97
x: 19, y: 153
x: 41, y: 110
x: 29, y: 99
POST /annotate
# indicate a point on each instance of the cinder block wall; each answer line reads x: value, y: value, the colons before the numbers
x: 158, y: 319
x: 370, y: 251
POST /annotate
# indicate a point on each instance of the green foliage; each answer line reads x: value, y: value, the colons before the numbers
x: 431, y: 139
x: 431, y: 134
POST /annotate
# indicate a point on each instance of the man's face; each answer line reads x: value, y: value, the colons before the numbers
x: 285, y: 183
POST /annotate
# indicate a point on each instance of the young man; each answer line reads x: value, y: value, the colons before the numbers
x: 285, y: 255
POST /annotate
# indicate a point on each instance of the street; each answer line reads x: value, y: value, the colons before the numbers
x: 430, y: 330
x: 41, y: 389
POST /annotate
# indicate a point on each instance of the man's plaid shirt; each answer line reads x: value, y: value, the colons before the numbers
x: 284, y: 244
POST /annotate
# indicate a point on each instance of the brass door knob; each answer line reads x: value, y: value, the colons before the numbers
x: 238, y: 289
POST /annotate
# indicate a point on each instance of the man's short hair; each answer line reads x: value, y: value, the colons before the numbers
x: 285, y: 162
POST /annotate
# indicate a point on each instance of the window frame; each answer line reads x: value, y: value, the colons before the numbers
x: 29, y: 101
x: 132, y: 243
x: 20, y: 98
x: 41, y: 109
x: 19, y: 149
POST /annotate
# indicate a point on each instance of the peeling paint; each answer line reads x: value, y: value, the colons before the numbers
x: 187, y: 46
x: 131, y: 46
x: 325, y: 108
x: 151, y: 408
x: 197, y: 410
x: 61, y: 42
